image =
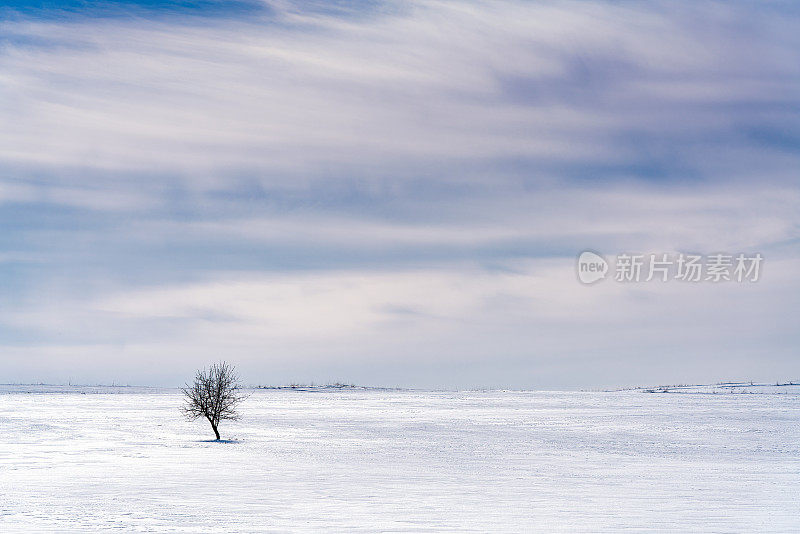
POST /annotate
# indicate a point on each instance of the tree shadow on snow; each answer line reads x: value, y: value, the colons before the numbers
x: 218, y: 441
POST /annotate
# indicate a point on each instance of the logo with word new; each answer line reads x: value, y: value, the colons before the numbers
x: 591, y: 267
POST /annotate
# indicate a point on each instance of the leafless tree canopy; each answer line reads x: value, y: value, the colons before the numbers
x: 215, y: 393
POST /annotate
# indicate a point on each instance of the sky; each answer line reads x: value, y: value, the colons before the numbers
x: 395, y: 193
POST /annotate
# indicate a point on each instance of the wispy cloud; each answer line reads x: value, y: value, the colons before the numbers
x: 593, y: 87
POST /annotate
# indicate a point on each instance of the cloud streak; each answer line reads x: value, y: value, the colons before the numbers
x: 594, y: 86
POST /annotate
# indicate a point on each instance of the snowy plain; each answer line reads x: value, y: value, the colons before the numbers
x: 104, y: 459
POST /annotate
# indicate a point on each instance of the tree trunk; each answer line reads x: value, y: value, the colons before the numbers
x: 215, y: 430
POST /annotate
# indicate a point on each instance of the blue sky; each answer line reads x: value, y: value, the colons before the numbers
x: 394, y: 193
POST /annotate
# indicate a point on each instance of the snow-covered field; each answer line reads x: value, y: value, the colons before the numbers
x: 93, y: 459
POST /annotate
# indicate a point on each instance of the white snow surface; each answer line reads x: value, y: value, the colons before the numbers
x: 100, y: 459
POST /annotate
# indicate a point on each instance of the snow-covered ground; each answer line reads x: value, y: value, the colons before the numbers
x: 93, y: 459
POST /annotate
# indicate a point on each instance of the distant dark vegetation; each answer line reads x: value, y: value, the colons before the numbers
x: 719, y: 387
x: 320, y: 387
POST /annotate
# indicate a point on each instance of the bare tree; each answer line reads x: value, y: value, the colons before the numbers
x: 215, y: 394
